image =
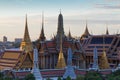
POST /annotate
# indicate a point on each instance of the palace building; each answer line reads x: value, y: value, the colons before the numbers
x: 19, y: 58
x: 53, y: 53
x: 106, y: 43
x: 62, y: 55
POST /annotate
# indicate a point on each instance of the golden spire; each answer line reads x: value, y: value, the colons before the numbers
x: 86, y: 30
x: 26, y: 43
x: 69, y: 35
x: 61, y: 60
x: 26, y: 34
x: 86, y: 34
x: 104, y: 60
x: 107, y: 32
x: 42, y: 35
x: 26, y: 46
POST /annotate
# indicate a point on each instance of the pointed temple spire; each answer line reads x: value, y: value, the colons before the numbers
x: 86, y: 34
x: 107, y: 32
x: 61, y: 60
x: 42, y: 35
x: 69, y: 35
x: 61, y: 44
x: 60, y: 29
x: 26, y: 43
x: 26, y: 33
x: 27, y: 47
x: 104, y: 60
x: 60, y: 11
x: 86, y: 30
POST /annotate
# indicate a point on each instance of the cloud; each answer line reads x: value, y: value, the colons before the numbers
x: 107, y: 6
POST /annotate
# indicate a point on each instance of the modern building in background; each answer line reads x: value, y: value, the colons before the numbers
x: 18, y: 40
x: 4, y: 39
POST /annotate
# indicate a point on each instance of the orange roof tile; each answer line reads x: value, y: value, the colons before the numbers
x: 11, y: 55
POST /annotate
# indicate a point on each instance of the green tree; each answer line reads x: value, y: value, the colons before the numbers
x: 79, y: 77
x: 117, y: 77
x: 16, y: 78
x: 91, y: 75
x: 1, y: 76
x: 59, y: 78
x: 110, y: 77
x: 29, y: 77
x: 116, y: 73
x: 68, y: 78
x: 7, y: 78
x: 114, y: 76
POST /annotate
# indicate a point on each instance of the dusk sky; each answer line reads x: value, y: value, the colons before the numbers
x: 98, y: 13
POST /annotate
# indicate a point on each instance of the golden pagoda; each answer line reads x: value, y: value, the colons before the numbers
x: 19, y: 59
x: 104, y: 60
x: 61, y: 60
x: 26, y: 61
x: 26, y: 42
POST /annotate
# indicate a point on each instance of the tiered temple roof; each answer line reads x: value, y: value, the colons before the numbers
x: 9, y: 59
x: 26, y: 61
x: 111, y: 45
x: 18, y: 58
x: 49, y: 49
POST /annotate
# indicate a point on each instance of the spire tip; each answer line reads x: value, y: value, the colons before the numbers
x: 60, y: 11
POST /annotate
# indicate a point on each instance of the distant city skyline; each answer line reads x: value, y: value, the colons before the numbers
x: 99, y: 14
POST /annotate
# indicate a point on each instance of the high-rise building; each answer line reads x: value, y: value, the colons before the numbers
x: 4, y: 39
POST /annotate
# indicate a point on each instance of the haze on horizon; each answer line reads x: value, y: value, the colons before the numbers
x: 99, y: 14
